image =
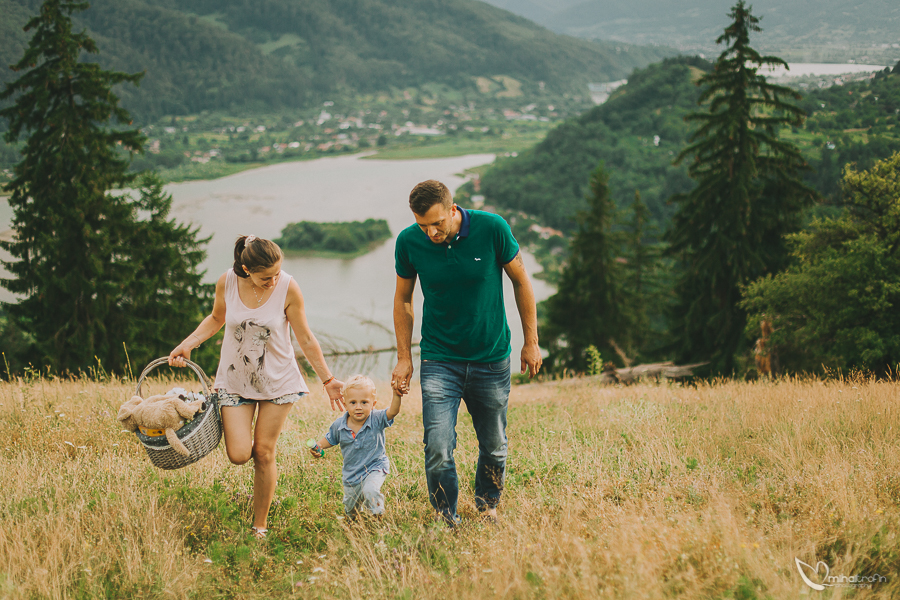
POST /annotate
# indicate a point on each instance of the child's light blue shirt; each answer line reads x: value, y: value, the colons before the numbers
x: 363, y: 452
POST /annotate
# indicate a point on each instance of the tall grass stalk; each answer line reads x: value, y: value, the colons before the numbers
x: 649, y: 491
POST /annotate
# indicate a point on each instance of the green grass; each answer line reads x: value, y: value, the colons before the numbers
x: 211, y: 170
x: 422, y: 148
x: 448, y: 146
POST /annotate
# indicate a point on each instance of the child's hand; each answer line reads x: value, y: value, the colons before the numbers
x: 394, y: 409
x: 315, y: 449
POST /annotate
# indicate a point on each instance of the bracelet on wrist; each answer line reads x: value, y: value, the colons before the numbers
x: 327, y: 381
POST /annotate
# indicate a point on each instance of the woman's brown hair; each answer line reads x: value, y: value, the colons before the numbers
x: 257, y: 254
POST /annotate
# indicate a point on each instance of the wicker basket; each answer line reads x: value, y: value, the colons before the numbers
x: 200, y: 436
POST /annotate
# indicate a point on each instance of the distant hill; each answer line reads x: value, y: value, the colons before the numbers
x: 857, y: 122
x: 788, y: 25
x: 539, y: 11
x: 636, y: 133
x: 253, y: 54
x: 854, y: 123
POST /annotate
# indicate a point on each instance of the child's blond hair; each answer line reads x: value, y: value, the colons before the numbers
x: 358, y: 381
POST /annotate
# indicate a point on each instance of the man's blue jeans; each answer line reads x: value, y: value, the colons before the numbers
x: 485, y: 390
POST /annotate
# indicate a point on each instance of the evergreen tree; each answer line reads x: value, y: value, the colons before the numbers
x: 83, y: 255
x: 161, y: 293
x: 585, y: 310
x: 729, y: 230
x: 643, y: 286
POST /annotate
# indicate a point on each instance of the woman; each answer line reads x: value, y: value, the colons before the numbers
x: 258, y: 374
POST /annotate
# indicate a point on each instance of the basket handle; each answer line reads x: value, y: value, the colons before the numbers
x: 165, y: 361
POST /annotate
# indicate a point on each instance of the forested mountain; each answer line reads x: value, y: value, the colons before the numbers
x: 695, y: 24
x: 853, y: 123
x: 205, y: 54
x: 637, y: 133
x: 539, y: 11
x: 856, y: 122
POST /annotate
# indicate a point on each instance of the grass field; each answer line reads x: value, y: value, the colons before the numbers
x: 203, y: 171
x: 649, y: 491
x: 446, y: 147
x: 515, y: 139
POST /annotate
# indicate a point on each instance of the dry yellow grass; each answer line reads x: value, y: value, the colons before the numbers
x: 650, y: 491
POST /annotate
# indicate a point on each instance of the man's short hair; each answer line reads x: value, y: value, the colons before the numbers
x: 427, y: 194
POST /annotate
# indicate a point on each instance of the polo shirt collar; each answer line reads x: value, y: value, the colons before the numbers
x: 344, y: 424
x: 464, y: 226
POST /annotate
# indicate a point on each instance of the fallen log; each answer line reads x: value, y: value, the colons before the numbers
x: 649, y: 372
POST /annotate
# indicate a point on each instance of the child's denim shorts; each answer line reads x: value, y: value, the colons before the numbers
x: 227, y: 399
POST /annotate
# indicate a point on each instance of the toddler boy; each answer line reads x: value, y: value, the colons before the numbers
x: 360, y: 434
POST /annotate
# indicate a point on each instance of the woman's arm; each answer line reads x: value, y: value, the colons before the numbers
x: 207, y: 328
x: 296, y: 316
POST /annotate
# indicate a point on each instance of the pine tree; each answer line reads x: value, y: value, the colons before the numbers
x: 161, y: 293
x: 729, y: 230
x: 643, y: 286
x: 585, y: 309
x: 80, y: 249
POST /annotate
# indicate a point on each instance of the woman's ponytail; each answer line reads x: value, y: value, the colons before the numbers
x: 238, y: 266
x: 257, y: 254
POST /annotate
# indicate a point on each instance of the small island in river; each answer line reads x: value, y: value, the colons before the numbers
x: 340, y: 240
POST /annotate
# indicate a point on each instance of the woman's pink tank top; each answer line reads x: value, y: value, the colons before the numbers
x: 257, y: 360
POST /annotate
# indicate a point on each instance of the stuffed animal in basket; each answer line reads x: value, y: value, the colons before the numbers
x: 166, y: 412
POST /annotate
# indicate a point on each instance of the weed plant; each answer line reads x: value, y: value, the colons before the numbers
x: 648, y: 491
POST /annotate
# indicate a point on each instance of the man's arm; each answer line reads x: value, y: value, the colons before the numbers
x: 403, y: 327
x: 531, y: 353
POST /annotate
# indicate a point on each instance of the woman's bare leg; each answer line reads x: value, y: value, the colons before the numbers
x: 236, y: 422
x: 269, y: 422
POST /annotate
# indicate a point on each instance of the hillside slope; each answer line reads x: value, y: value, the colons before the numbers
x: 855, y: 122
x: 637, y: 134
x: 205, y: 54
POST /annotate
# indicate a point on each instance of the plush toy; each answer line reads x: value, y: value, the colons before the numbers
x: 166, y: 412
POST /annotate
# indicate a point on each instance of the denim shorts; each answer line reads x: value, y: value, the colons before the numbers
x: 227, y: 399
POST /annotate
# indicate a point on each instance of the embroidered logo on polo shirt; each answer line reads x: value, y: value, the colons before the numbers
x: 477, y: 259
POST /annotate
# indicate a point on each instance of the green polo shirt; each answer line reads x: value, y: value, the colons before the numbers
x: 464, y: 318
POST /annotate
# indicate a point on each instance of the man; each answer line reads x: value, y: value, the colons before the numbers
x: 459, y: 256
